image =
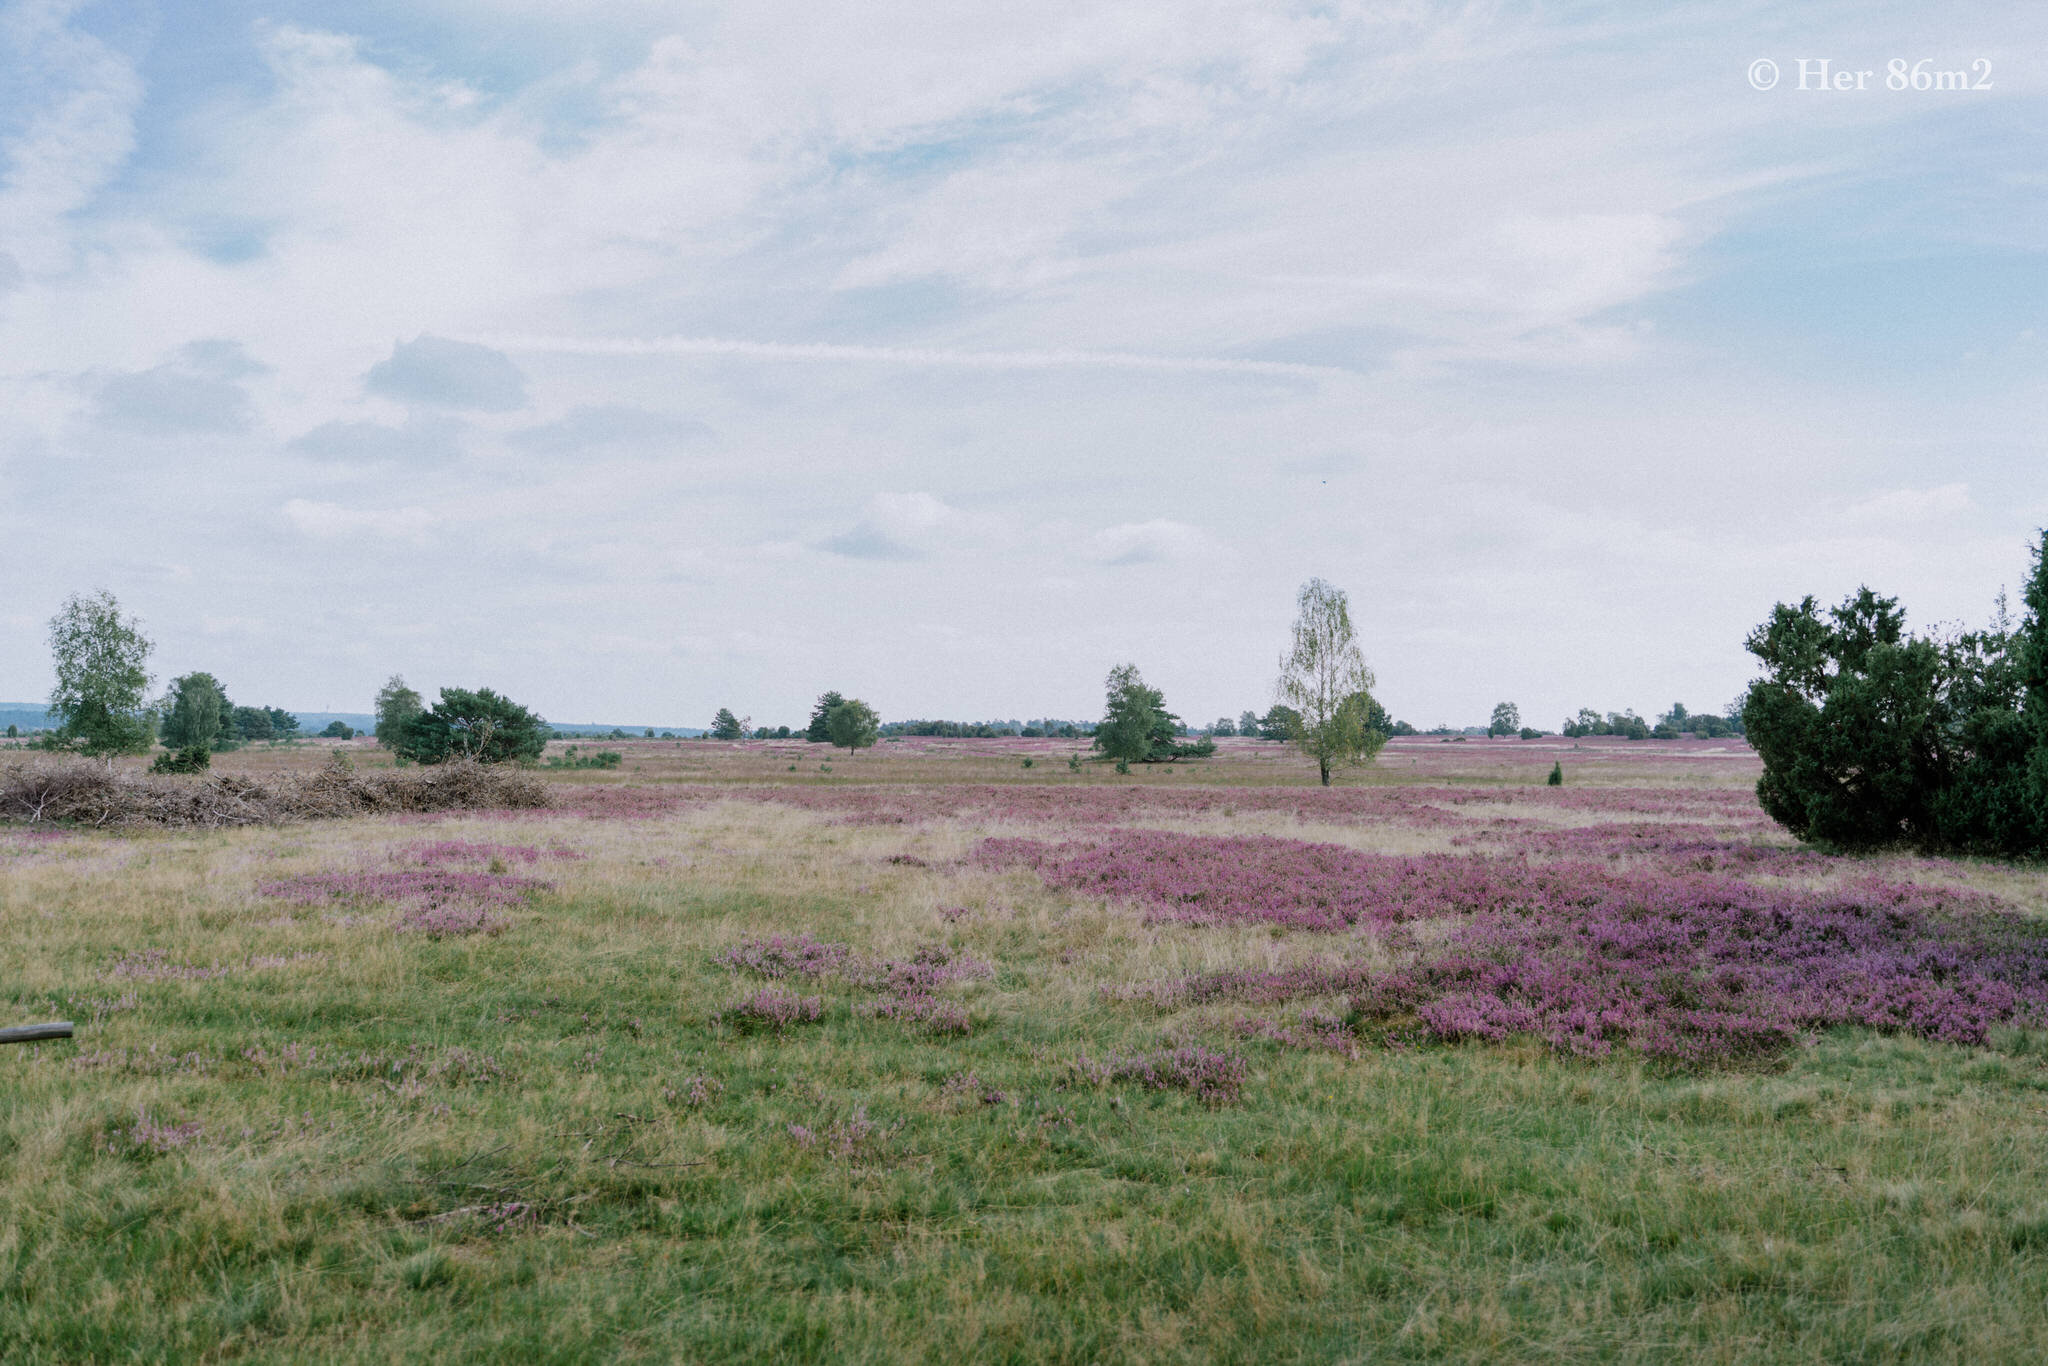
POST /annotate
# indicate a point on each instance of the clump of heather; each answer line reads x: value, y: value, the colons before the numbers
x: 693, y: 1091
x: 842, y: 1138
x: 926, y: 1013
x: 428, y: 887
x: 153, y: 1136
x: 774, y: 1011
x: 775, y: 956
x: 1687, y: 966
x: 1313, y: 1029
x: 1213, y: 1078
x: 969, y: 1085
x: 440, y: 852
x: 908, y: 986
x: 1679, y: 846
x: 451, y: 921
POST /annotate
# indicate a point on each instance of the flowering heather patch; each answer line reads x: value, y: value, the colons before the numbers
x: 908, y: 986
x: 428, y: 886
x: 773, y: 1010
x: 1695, y: 968
x: 1313, y: 1029
x: 968, y: 1084
x: 1223, y: 879
x: 1715, y: 968
x: 1703, y: 848
x: 842, y: 1138
x: 449, y: 921
x: 475, y: 851
x: 693, y: 1091
x: 926, y: 1013
x: 153, y: 1136
x: 797, y: 956
x: 1212, y: 1077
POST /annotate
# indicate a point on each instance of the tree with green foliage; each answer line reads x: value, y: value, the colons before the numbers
x: 1507, y: 719
x: 1136, y: 727
x: 283, y: 725
x: 197, y: 713
x: 101, y: 661
x: 1279, y: 723
x: 396, y: 706
x: 1131, y: 712
x: 1248, y: 724
x: 820, y: 730
x: 1325, y: 682
x: 338, y: 730
x: 480, y: 725
x: 852, y: 724
x: 726, y: 726
x: 253, y: 723
x: 1872, y: 737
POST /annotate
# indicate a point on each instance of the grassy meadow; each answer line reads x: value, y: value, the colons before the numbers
x: 754, y: 1052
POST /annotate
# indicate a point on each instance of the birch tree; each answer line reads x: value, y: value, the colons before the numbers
x: 1325, y: 682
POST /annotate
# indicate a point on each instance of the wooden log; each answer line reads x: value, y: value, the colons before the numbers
x: 30, y: 1033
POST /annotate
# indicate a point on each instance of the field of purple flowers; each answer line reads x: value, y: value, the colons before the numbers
x: 858, y: 1062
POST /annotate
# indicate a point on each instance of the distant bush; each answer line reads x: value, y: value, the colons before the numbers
x: 569, y: 758
x: 184, y: 759
x: 338, y: 730
x: 1531, y: 733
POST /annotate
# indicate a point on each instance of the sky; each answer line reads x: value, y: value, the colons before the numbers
x: 640, y: 359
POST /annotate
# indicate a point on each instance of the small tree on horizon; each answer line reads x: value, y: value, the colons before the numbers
x: 852, y: 725
x: 726, y: 726
x: 396, y: 706
x: 1507, y: 719
x: 101, y: 661
x: 482, y: 725
x: 1324, y: 679
x: 197, y: 713
x: 820, y: 730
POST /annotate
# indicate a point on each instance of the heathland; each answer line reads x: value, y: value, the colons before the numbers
x: 972, y: 1051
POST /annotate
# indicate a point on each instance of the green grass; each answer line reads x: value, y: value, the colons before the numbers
x: 1874, y: 1199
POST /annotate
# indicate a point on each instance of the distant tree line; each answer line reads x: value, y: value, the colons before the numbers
x: 1672, y: 724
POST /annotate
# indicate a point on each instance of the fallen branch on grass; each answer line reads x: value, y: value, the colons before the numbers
x: 30, y: 1033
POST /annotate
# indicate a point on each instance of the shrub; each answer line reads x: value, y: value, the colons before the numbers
x: 1871, y: 737
x: 1556, y: 778
x: 569, y: 758
x: 184, y: 759
x: 480, y: 725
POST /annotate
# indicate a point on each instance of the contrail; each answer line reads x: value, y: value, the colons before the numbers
x: 909, y: 355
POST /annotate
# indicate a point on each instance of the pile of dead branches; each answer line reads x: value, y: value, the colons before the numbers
x: 80, y: 792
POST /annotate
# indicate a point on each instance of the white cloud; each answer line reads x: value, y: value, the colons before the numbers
x: 1154, y: 541
x: 897, y: 526
x: 449, y: 374
x: 1904, y: 509
x: 331, y: 521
